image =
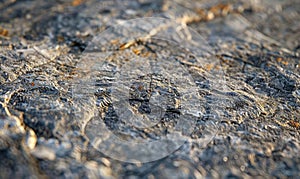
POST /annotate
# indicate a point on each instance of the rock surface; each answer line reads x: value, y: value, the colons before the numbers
x: 254, y: 43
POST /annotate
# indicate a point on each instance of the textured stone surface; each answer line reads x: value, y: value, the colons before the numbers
x: 255, y: 43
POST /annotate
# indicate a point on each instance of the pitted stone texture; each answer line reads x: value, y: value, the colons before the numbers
x: 257, y: 48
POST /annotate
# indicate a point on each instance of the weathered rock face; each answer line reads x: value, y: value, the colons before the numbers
x: 252, y: 113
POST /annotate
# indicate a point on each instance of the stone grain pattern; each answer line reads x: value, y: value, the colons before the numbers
x: 256, y: 43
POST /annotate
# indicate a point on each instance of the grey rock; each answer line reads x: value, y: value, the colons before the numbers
x: 253, y: 115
